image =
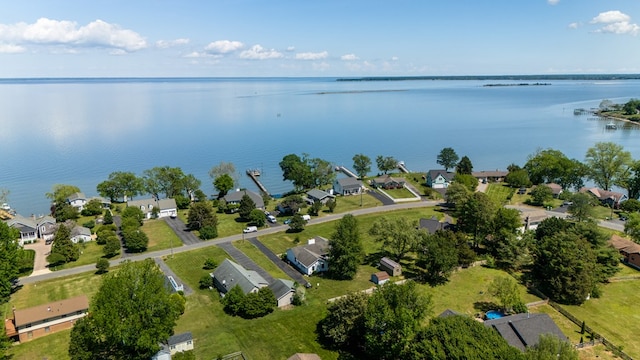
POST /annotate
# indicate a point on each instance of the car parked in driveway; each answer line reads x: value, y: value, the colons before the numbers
x: 272, y: 219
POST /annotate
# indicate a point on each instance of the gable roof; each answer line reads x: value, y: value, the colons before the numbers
x: 310, y: 253
x: 76, y: 196
x: 448, y: 313
x: 349, y: 183
x: 24, y: 224
x: 179, y: 338
x: 80, y: 230
x: 445, y: 174
x: 604, y: 195
x: 624, y: 245
x: 281, y: 287
x: 432, y: 225
x: 382, y: 275
x: 51, y: 310
x: 555, y: 188
x: 231, y: 274
x: 524, y: 330
x: 489, y: 174
x: 236, y: 196
x: 162, y: 204
x: 385, y: 179
x: 318, y: 194
x: 304, y: 356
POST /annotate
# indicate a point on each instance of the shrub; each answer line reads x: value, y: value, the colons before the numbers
x: 208, y: 232
x: 206, y: 281
x: 209, y: 264
x: 89, y: 224
x: 102, y: 265
x: 55, y: 259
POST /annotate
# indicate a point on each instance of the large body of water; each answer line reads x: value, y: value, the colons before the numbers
x: 78, y: 131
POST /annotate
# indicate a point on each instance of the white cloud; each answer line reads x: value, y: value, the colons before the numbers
x: 223, y: 46
x: 553, y: 2
x: 97, y: 33
x: 349, y: 57
x: 257, y: 52
x: 574, y: 25
x: 395, y: 58
x: 291, y: 48
x: 610, y: 17
x: 164, y: 44
x: 11, y: 49
x: 615, y: 22
x: 312, y: 56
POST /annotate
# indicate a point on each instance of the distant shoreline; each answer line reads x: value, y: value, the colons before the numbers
x: 599, y: 77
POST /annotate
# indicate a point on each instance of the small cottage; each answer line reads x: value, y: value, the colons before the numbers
x: 391, y: 267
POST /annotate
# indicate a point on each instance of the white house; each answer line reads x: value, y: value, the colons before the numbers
x: 348, y: 186
x: 80, y: 234
x: 311, y: 257
x: 77, y: 200
x: 32, y: 228
x: 175, y: 344
x: 166, y: 207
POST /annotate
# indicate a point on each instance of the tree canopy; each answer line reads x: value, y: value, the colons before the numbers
x: 346, y: 251
x: 121, y: 185
x: 129, y: 316
x: 386, y: 163
x: 60, y: 192
x: 447, y: 158
x: 398, y: 236
x: 225, y: 168
x: 9, y: 250
x: 361, y: 165
x: 608, y: 164
x: 464, y: 167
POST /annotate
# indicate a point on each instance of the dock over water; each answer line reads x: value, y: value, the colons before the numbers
x: 403, y: 168
x: 346, y: 171
x: 253, y: 174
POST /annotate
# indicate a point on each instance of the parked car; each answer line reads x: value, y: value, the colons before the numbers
x: 287, y: 222
x: 272, y: 219
x: 567, y: 203
x: 306, y: 217
x: 250, y: 229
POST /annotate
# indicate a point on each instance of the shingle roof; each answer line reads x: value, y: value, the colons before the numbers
x: 179, y: 338
x: 162, y: 204
x: 318, y: 194
x: 490, y: 173
x: 626, y: 245
x: 385, y: 179
x: 310, y: 253
x: 302, y: 356
x: 281, y: 287
x: 50, y: 310
x: 232, y: 274
x: 385, y: 261
x: 524, y: 330
x: 432, y: 225
x: 76, y: 196
x: 236, y: 196
x: 447, y: 313
x: 80, y: 230
x: 433, y: 174
x: 604, y: 194
x: 349, y: 183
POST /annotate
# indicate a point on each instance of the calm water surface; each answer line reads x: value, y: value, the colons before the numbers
x: 78, y: 131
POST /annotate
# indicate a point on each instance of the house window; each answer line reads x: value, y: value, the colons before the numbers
x: 173, y: 347
x: 189, y: 342
x: 142, y: 207
x: 47, y: 329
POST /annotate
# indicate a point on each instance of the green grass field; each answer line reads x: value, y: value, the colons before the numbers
x: 90, y: 252
x: 500, y: 193
x: 400, y: 193
x: 160, y: 235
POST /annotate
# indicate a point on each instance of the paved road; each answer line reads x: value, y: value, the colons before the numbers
x: 117, y: 221
x: 180, y: 228
x: 293, y: 273
x: 245, y: 261
x: 202, y: 244
x: 168, y: 272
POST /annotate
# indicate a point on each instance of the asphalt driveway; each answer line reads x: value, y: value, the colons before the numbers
x: 180, y: 228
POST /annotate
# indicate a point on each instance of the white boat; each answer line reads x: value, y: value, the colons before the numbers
x: 5, y: 207
x: 611, y: 126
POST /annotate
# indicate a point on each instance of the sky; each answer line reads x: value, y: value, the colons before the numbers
x: 330, y: 38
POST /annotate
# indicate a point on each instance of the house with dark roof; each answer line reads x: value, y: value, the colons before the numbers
x: 348, y: 186
x: 391, y: 267
x: 78, y: 200
x: 447, y: 313
x: 234, y: 198
x: 629, y: 250
x: 606, y: 197
x: 174, y: 344
x: 314, y: 195
x: 283, y: 290
x: 229, y: 274
x: 439, y: 179
x: 41, y: 320
x: 531, y: 219
x: 432, y: 225
x: 387, y: 182
x: 490, y: 176
x: 32, y: 228
x: 311, y: 257
x: 165, y: 207
x: 524, y: 330
x: 80, y: 234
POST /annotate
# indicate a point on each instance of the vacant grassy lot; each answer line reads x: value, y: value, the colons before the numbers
x: 614, y: 315
x: 90, y: 252
x: 500, y: 193
x: 160, y: 235
x: 400, y: 193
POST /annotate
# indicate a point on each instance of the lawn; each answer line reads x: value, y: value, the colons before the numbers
x: 90, y: 252
x: 160, y: 235
x: 500, y: 193
x: 28, y: 257
x: 260, y: 259
x: 614, y: 314
x: 402, y: 193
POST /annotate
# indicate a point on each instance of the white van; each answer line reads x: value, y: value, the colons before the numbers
x: 272, y: 219
x: 306, y: 217
x: 250, y: 229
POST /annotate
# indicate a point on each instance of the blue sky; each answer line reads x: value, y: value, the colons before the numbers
x: 79, y: 38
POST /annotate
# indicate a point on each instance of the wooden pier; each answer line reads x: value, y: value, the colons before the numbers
x: 253, y: 174
x: 403, y: 168
x: 346, y: 171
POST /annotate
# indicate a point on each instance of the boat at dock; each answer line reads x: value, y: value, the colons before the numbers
x: 611, y: 126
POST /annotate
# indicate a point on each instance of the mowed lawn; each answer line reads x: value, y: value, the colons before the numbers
x: 160, y: 235
x: 615, y: 314
x: 90, y: 252
x: 499, y: 193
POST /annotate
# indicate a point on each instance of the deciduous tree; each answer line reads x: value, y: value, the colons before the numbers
x: 343, y: 326
x: 361, y: 165
x: 541, y: 194
x: 247, y: 205
x: 223, y: 184
x: 448, y: 158
x: 438, y: 255
x: 346, y: 251
x: 121, y: 185
x: 9, y: 251
x: 475, y: 216
x: 505, y: 289
x: 130, y: 315
x: 201, y: 214
x: 386, y: 163
x: 551, y: 347
x: 581, y: 207
x: 61, y: 192
x: 464, y: 167
x: 608, y: 164
x: 398, y: 237
x: 225, y: 168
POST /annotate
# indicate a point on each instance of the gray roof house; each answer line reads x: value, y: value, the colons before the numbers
x: 32, y: 228
x: 524, y: 330
x: 283, y: 291
x: 347, y: 186
x: 166, y: 207
x: 235, y: 197
x: 439, y: 179
x: 314, y: 195
x: 77, y: 200
x: 80, y: 234
x: 175, y: 344
x: 229, y: 274
x: 311, y: 257
x: 432, y: 225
